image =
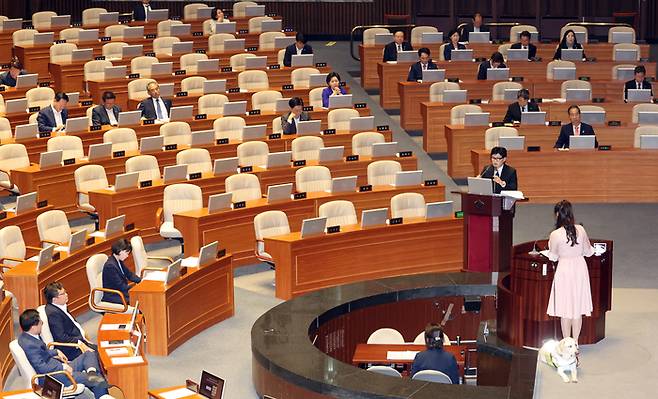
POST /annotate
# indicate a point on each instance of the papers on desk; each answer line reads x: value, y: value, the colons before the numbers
x: 62, y: 248
x: 156, y: 275
x: 117, y: 351
x: 26, y: 395
x: 111, y: 327
x: 107, y: 344
x: 99, y: 234
x: 401, y: 355
x: 190, y: 261
x: 544, y: 252
x: 127, y: 360
x: 517, y: 195
x: 177, y: 393
x: 34, y: 258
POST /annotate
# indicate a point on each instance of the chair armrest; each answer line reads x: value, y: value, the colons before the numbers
x: 3, y: 266
x: 158, y: 218
x: 147, y: 268
x: 68, y: 344
x: 71, y: 389
x: 2, y: 259
x: 32, y: 251
x: 54, y: 242
x: 93, y: 305
x: 156, y: 257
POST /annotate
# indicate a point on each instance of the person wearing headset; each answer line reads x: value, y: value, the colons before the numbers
x: 435, y: 358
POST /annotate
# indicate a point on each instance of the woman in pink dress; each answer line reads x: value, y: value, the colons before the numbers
x: 571, y: 297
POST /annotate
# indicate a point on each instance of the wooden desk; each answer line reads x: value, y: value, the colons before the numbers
x: 157, y: 393
x: 378, y: 353
x: 35, y: 59
x: 6, y: 336
x: 234, y: 229
x: 305, y: 265
x: 26, y: 221
x: 22, y: 118
x: 27, y: 283
x: 12, y: 93
x: 6, y: 46
x: 617, y: 176
x: 462, y: 139
x: 200, y: 299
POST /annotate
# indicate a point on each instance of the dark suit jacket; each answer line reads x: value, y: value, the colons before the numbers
x: 558, y: 51
x: 99, y: 116
x: 567, y: 130
x: 46, y: 119
x: 64, y: 330
x: 532, y: 49
x: 114, y: 279
x: 391, y: 50
x: 631, y: 85
x: 469, y: 28
x: 40, y: 357
x: 447, y: 50
x: 7, y: 80
x: 508, y: 176
x: 291, y: 128
x: 138, y: 12
x: 482, y: 70
x: 436, y: 359
x: 416, y: 71
x: 292, y: 50
x: 148, y: 108
x: 514, y: 111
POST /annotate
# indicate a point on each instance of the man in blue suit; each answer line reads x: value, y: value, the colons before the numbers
x: 435, y: 358
x: 575, y: 128
x: 116, y: 275
x: 53, y: 118
x: 424, y: 63
x: 84, y: 369
x: 298, y: 48
x: 141, y: 10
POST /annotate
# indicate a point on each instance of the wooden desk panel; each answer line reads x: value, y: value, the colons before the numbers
x: 200, y: 299
x: 35, y: 59
x: 6, y: 46
x: 305, y: 265
x: 370, y: 55
x: 6, y: 336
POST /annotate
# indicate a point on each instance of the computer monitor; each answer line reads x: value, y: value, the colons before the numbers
x: 211, y: 386
x: 593, y: 117
x: 572, y: 54
x: 345, y: 184
x: 512, y: 142
x: 219, y: 202
x: 408, y: 178
x: 639, y: 95
x: 438, y: 209
x: 462, y: 55
x: 480, y: 186
x: 581, y: 142
x: 476, y: 119
x: 434, y: 75
x: 313, y: 226
x: 279, y: 192
x: 478, y: 37
x: 302, y: 60
x: 331, y: 154
x: 533, y: 118
x: 517, y: 54
x: 497, y: 73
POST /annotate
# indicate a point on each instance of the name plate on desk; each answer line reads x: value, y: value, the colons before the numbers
x: 42, y: 204
x: 584, y: 78
x: 351, y: 158
x: 105, y: 38
x: 199, y: 117
x: 69, y: 161
x: 404, y: 154
x: 95, y: 128
x: 554, y: 123
x: 34, y: 109
x: 287, y: 29
x: 149, y: 54
x: 475, y: 101
x: 537, y: 100
x: 145, y: 183
x: 57, y: 256
x: 44, y: 84
x: 359, y: 105
x: 333, y: 229
x: 288, y: 87
x: 605, y: 147
x: 181, y: 94
x: 246, y: 169
x: 86, y: 103
x: 252, y: 48
x: 221, y: 253
x: 320, y: 64
x: 597, y: 100
x: 366, y: 188
x: 197, y: 33
x: 393, y: 221
x: 228, y: 69
x: 274, y: 136
x: 194, y: 176
x: 234, y: 90
x: 301, y: 162
x: 274, y: 66
x: 99, y: 58
x: 3, y: 215
x: 307, y: 108
x: 43, y: 135
x: 453, y: 80
x: 133, y: 76
x: 517, y: 78
x: 151, y: 35
x: 614, y: 123
x: 148, y: 122
x: 433, y: 182
x: 200, y: 51
x: 327, y: 132
x: 222, y: 141
x: 90, y: 241
x: 243, y: 31
x: 60, y: 41
x: 128, y: 227
x: 170, y: 147
x: 239, y: 204
x: 382, y: 128
x: 299, y: 196
x: 497, y: 124
x: 254, y: 112
x: 180, y: 72
x: 534, y: 148
x: 118, y: 154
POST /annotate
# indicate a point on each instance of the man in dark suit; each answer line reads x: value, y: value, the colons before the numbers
x: 298, y: 48
x: 116, y: 275
x: 291, y: 119
x: 435, y: 358
x: 503, y: 176
x: 84, y: 369
x: 424, y: 63
x: 398, y: 44
x: 639, y: 81
x: 141, y: 10
x: 154, y: 107
x: 524, y: 43
x: 53, y: 118
x: 477, y: 25
x: 63, y: 326
x: 523, y: 104
x: 106, y: 113
x: 496, y: 61
x: 575, y: 128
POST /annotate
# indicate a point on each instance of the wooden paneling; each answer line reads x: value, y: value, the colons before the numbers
x: 6, y: 336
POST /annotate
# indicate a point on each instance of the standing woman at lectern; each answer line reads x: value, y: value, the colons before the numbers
x: 571, y: 297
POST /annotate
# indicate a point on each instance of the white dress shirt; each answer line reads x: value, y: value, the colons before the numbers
x: 64, y: 309
x: 476, y: 29
x: 58, y: 118
x: 299, y: 50
x: 576, y: 130
x: 110, y: 115
x: 163, y: 109
x: 499, y: 170
x: 147, y: 8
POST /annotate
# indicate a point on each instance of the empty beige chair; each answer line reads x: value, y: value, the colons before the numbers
x: 362, y: 142
x: 122, y: 139
x: 115, y: 31
x: 146, y: 165
x: 457, y: 113
x: 300, y: 78
x: 625, y: 46
x: 240, y: 6
x: 277, y: 127
x: 137, y: 88
x: 69, y: 34
x: 190, y: 10
x: 577, y: 29
x: 212, y: 104
x: 243, y: 187
x: 5, y: 129
x: 313, y: 179
x: 142, y: 65
x: 113, y: 51
x: 216, y: 42
x: 369, y: 35
x: 590, y: 108
x: 498, y: 91
x: 95, y: 70
x: 339, y: 119
x: 615, y: 70
x: 237, y: 61
x: 441, y: 49
x: 94, y: 268
x: 417, y: 33
x: 269, y: 224
x: 437, y: 89
x: 12, y: 246
x: 178, y: 133
x: 87, y: 178
x: 382, y: 173
x: 145, y: 262
x: 408, y: 205
x: 3, y: 108
x: 492, y: 135
x: 164, y: 27
x: 196, y: 159
x: 229, y: 127
x: 385, y: 370
x: 620, y: 29
x: 41, y: 19
x: 515, y: 31
x: 53, y: 227
x: 636, y: 110
x: 266, y: 40
x: 315, y: 97
x: 12, y: 156
x: 338, y: 213
x: 193, y: 85
x: 188, y: 62
x: 178, y: 198
x: 386, y: 336
x: 307, y: 148
x: 71, y: 146
x: 40, y: 97
x: 91, y: 16
x: 253, y: 153
x: 162, y: 46
x: 432, y: 376
x: 280, y: 56
x: 265, y: 100
x: 557, y: 64
x: 255, y: 24
x: 504, y: 48
x: 643, y: 131
x: 62, y: 52
x: 207, y: 27
x: 575, y: 84
x: 253, y: 80
x: 23, y: 37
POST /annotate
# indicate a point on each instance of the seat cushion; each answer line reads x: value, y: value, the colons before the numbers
x: 167, y: 230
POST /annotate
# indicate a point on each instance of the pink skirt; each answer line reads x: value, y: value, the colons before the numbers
x: 571, y: 295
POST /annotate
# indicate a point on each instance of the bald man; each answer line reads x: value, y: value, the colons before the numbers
x: 398, y: 44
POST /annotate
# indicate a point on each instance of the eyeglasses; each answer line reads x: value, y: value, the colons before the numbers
x: 496, y: 158
x: 62, y: 293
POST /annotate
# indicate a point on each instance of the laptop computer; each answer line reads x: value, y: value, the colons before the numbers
x: 225, y: 166
x: 87, y: 35
x: 647, y: 118
x: 162, y: 68
x: 204, y: 137
x: 27, y: 81
x: 126, y: 181
x: 578, y: 94
x: 180, y: 30
x: 431, y: 37
x: 43, y: 38
x: 50, y: 159
x: 649, y: 141
x: 408, y: 178
x: 25, y: 202
x: 281, y: 105
x: 207, y: 254
x: 342, y: 101
x: 478, y: 37
x: 533, y: 118
x: 345, y: 184
x: 572, y: 54
x: 331, y: 154
x: 253, y: 132
x: 150, y: 144
x: 74, y: 125
x: 234, y: 44
x: 313, y: 227
x: 581, y: 142
x: 210, y: 65
x: 564, y: 73
x: 45, y: 256
x: 99, y: 151
x: 384, y: 149
x: 226, y: 27
x: 383, y: 38
x: 517, y: 54
x: 10, y: 25
x: 214, y: 86
x: 129, y: 118
x: 173, y: 272
x: 77, y: 240
x: 83, y: 54
x: 434, y: 75
x: 512, y: 142
x: 480, y: 186
x: 113, y: 227
x: 625, y: 54
x: 302, y: 60
x: 462, y: 55
x: 438, y: 209
x: 58, y: 21
x: 115, y: 72
x: 166, y: 90
x: 219, y: 202
x: 279, y: 192
x: 309, y: 128
x: 109, y: 18
x: 476, y: 119
x: 373, y: 217
x: 361, y: 123
x: 211, y: 386
x: 639, y: 95
x: 51, y: 389
x: 408, y: 56
x: 497, y: 73
x: 158, y: 15
x: 234, y: 108
x: 254, y: 11
x: 181, y: 48
x: 134, y: 32
x: 593, y: 117
x: 455, y: 96
x: 258, y: 62
x: 278, y: 159
x: 283, y: 42
x: 175, y: 173
x: 510, y: 95
x: 621, y: 37
x: 24, y: 132
x: 17, y: 106
x: 181, y: 113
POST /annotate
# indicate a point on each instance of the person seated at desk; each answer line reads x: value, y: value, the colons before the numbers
x: 106, y: 113
x: 569, y: 41
x: 217, y: 18
x: 496, y: 61
x: 503, y: 175
x: 398, y: 44
x: 453, y: 44
x: 424, y: 63
x: 333, y: 88
x: 53, y: 118
x: 298, y: 48
x: 115, y: 273
x: 435, y: 358
x: 84, y: 369
x: 290, y: 120
x: 575, y: 128
x: 515, y: 109
x: 476, y: 25
x: 8, y: 77
x: 141, y: 10
x: 524, y: 43
x: 154, y: 107
x: 638, y: 82
x: 63, y: 326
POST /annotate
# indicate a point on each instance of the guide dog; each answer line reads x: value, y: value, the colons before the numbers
x: 562, y: 356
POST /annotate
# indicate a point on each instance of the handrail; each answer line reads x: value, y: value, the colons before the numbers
x: 363, y: 27
x: 598, y: 24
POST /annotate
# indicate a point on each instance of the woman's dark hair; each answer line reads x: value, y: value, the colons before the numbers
x: 452, y: 32
x: 563, y: 42
x: 433, y: 336
x: 497, y: 57
x: 29, y: 318
x: 16, y: 63
x: 564, y: 212
x: 331, y: 75
x: 295, y: 101
x: 214, y: 12
x: 121, y: 245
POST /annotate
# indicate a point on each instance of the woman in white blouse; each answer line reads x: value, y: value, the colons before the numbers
x: 217, y: 18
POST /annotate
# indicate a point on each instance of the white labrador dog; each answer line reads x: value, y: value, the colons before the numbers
x: 561, y: 355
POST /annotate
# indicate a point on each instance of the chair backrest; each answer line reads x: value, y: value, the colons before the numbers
x: 575, y: 28
x: 385, y: 370
x: 46, y: 334
x: 492, y: 135
x: 408, y: 205
x: 515, y: 31
x: 300, y: 77
x: 270, y: 224
x: 307, y: 148
x: 338, y: 213
x: 504, y: 48
x: 3, y: 108
x: 62, y: 52
x: 313, y: 179
x: 5, y: 128
x: 620, y: 29
x: 193, y: 85
x: 637, y: 109
x: 33, y: 117
x: 626, y: 46
x: 95, y: 70
x: 164, y: 27
x: 11, y: 243
x: 458, y: 112
x: 229, y: 127
x: 189, y: 61
x: 243, y: 187
x: 114, y: 31
x: 575, y: 84
x: 25, y: 369
x: 90, y: 16
x: 382, y: 173
x: 255, y: 24
x: 94, y: 268
x: 266, y: 40
x: 197, y: 160
x: 216, y: 42
x: 41, y: 19
x: 437, y: 89
x: 12, y: 156
x: 189, y: 11
x: 557, y: 64
x: 87, y: 178
x: 389, y: 336
x: 432, y: 376
x: 441, y: 54
x: 212, y: 104
x: 180, y: 197
x: 417, y: 33
x: 369, y: 34
x: 40, y: 97
x: 140, y: 257
x: 162, y: 45
x: 498, y: 91
x: 142, y: 65
x: 113, y: 51
x: 69, y: 34
x: 146, y: 165
x: 239, y: 7
x: 265, y: 100
x: 643, y: 130
x: 253, y: 153
x: 277, y: 126
x: 615, y: 70
x: 122, y: 139
x: 137, y: 88
x: 71, y: 146
x: 280, y: 56
x: 53, y: 226
x: 253, y: 80
x: 339, y: 119
x: 314, y: 96
x: 596, y: 108
x: 237, y: 61
x: 23, y: 37
x: 176, y: 133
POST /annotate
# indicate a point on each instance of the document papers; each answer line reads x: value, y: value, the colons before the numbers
x: 177, y: 393
x: 401, y: 355
x: 127, y: 360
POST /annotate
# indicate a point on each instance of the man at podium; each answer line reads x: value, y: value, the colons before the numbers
x: 504, y: 176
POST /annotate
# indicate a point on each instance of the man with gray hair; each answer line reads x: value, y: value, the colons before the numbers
x: 154, y: 107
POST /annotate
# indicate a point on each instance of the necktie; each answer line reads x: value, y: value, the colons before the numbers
x: 496, y: 173
x: 524, y: 109
x: 399, y: 47
x: 158, y: 109
x: 294, y: 126
x: 637, y: 84
x: 577, y: 133
x: 424, y: 67
x: 147, y: 8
